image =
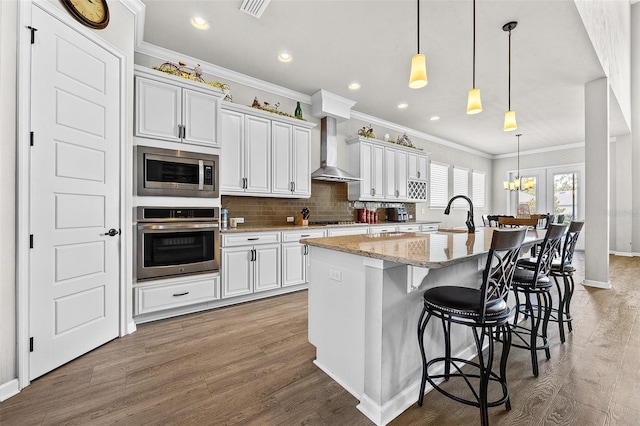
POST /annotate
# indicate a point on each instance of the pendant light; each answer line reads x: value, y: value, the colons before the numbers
x: 418, y: 76
x: 518, y: 184
x: 510, y: 115
x: 474, y: 103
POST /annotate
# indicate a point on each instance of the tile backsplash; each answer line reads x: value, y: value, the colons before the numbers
x: 328, y: 202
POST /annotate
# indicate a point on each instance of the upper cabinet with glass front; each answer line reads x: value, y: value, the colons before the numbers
x: 175, y: 109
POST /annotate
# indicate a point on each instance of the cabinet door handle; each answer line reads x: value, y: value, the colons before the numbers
x: 254, y: 255
x: 305, y: 235
x: 418, y: 174
x: 244, y: 183
x: 184, y: 131
x: 253, y: 239
x: 180, y: 294
x: 306, y: 249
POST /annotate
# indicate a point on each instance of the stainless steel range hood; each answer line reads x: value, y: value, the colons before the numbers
x: 329, y: 108
x: 329, y: 154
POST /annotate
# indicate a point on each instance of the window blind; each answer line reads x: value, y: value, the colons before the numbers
x: 438, y: 184
x: 460, y: 186
x: 478, y: 189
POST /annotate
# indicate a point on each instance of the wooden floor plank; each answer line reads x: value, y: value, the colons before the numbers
x: 252, y: 364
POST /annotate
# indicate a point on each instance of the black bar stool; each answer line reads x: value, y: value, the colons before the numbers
x: 532, y: 280
x: 565, y: 269
x: 485, y: 310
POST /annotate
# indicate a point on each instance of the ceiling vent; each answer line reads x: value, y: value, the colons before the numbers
x: 254, y: 8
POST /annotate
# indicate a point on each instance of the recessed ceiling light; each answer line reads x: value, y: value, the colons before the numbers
x: 354, y: 86
x: 434, y: 118
x: 199, y: 23
x: 285, y: 57
x: 403, y: 105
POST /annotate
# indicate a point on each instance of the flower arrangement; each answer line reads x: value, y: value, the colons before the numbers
x: 195, y: 74
x: 367, y: 132
x: 404, y: 140
x: 266, y: 106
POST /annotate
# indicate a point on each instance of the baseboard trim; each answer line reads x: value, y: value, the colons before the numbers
x: 9, y: 389
x: 623, y: 253
x: 597, y: 284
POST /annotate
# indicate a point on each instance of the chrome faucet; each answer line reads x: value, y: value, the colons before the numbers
x: 470, y: 225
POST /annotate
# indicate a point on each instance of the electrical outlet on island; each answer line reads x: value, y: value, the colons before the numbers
x: 239, y: 219
x: 289, y: 218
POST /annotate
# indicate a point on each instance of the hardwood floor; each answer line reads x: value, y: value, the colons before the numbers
x: 251, y: 364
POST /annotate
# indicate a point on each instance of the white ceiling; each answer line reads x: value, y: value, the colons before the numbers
x: 336, y: 42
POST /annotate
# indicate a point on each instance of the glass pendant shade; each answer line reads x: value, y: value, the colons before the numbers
x: 474, y: 103
x: 510, y: 121
x: 418, y: 76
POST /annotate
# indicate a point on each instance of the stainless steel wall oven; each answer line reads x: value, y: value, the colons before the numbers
x: 177, y: 241
x: 166, y: 172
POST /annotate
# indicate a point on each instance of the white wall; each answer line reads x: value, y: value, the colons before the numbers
x: 635, y: 124
x: 608, y: 23
x: 8, y: 22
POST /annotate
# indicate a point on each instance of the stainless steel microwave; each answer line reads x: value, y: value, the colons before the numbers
x: 173, y: 173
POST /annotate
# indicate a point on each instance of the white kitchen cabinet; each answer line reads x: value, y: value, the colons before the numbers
x: 246, y: 151
x: 417, y: 166
x: 172, y: 293
x: 429, y: 227
x: 395, y: 174
x: 366, y: 160
x: 409, y: 227
x: 382, y: 229
x: 348, y: 230
x: 295, y: 256
x: 250, y: 263
x: 291, y: 165
x: 169, y: 109
x: 386, y: 170
x: 262, y: 156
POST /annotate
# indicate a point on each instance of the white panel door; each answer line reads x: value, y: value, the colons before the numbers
x: 74, y: 266
x: 200, y: 117
x: 281, y: 137
x: 258, y: 154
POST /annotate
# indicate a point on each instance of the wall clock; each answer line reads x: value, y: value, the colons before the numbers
x: 92, y: 13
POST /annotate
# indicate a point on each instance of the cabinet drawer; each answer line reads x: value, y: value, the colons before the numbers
x: 381, y: 229
x: 250, y: 238
x: 172, y: 295
x: 409, y: 228
x: 430, y: 228
x: 337, y: 232
x: 295, y: 236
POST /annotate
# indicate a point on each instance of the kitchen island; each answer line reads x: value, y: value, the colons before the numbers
x: 365, y: 298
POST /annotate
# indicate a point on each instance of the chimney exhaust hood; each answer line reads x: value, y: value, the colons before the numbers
x: 330, y: 108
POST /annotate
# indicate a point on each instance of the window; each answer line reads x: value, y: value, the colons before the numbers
x: 478, y: 189
x: 460, y: 186
x: 438, y: 184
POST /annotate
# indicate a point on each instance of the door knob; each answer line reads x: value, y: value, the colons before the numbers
x: 112, y: 232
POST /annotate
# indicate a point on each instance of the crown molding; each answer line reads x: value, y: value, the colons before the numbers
x: 412, y: 132
x: 138, y: 9
x: 541, y: 150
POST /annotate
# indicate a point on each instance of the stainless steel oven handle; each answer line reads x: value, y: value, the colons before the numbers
x: 176, y: 226
x: 200, y: 175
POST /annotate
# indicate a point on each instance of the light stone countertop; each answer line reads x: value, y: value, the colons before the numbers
x: 426, y: 250
x: 291, y: 227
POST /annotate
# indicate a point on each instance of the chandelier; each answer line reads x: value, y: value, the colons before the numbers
x: 518, y: 184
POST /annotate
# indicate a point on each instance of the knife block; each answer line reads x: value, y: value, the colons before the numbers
x: 300, y: 221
